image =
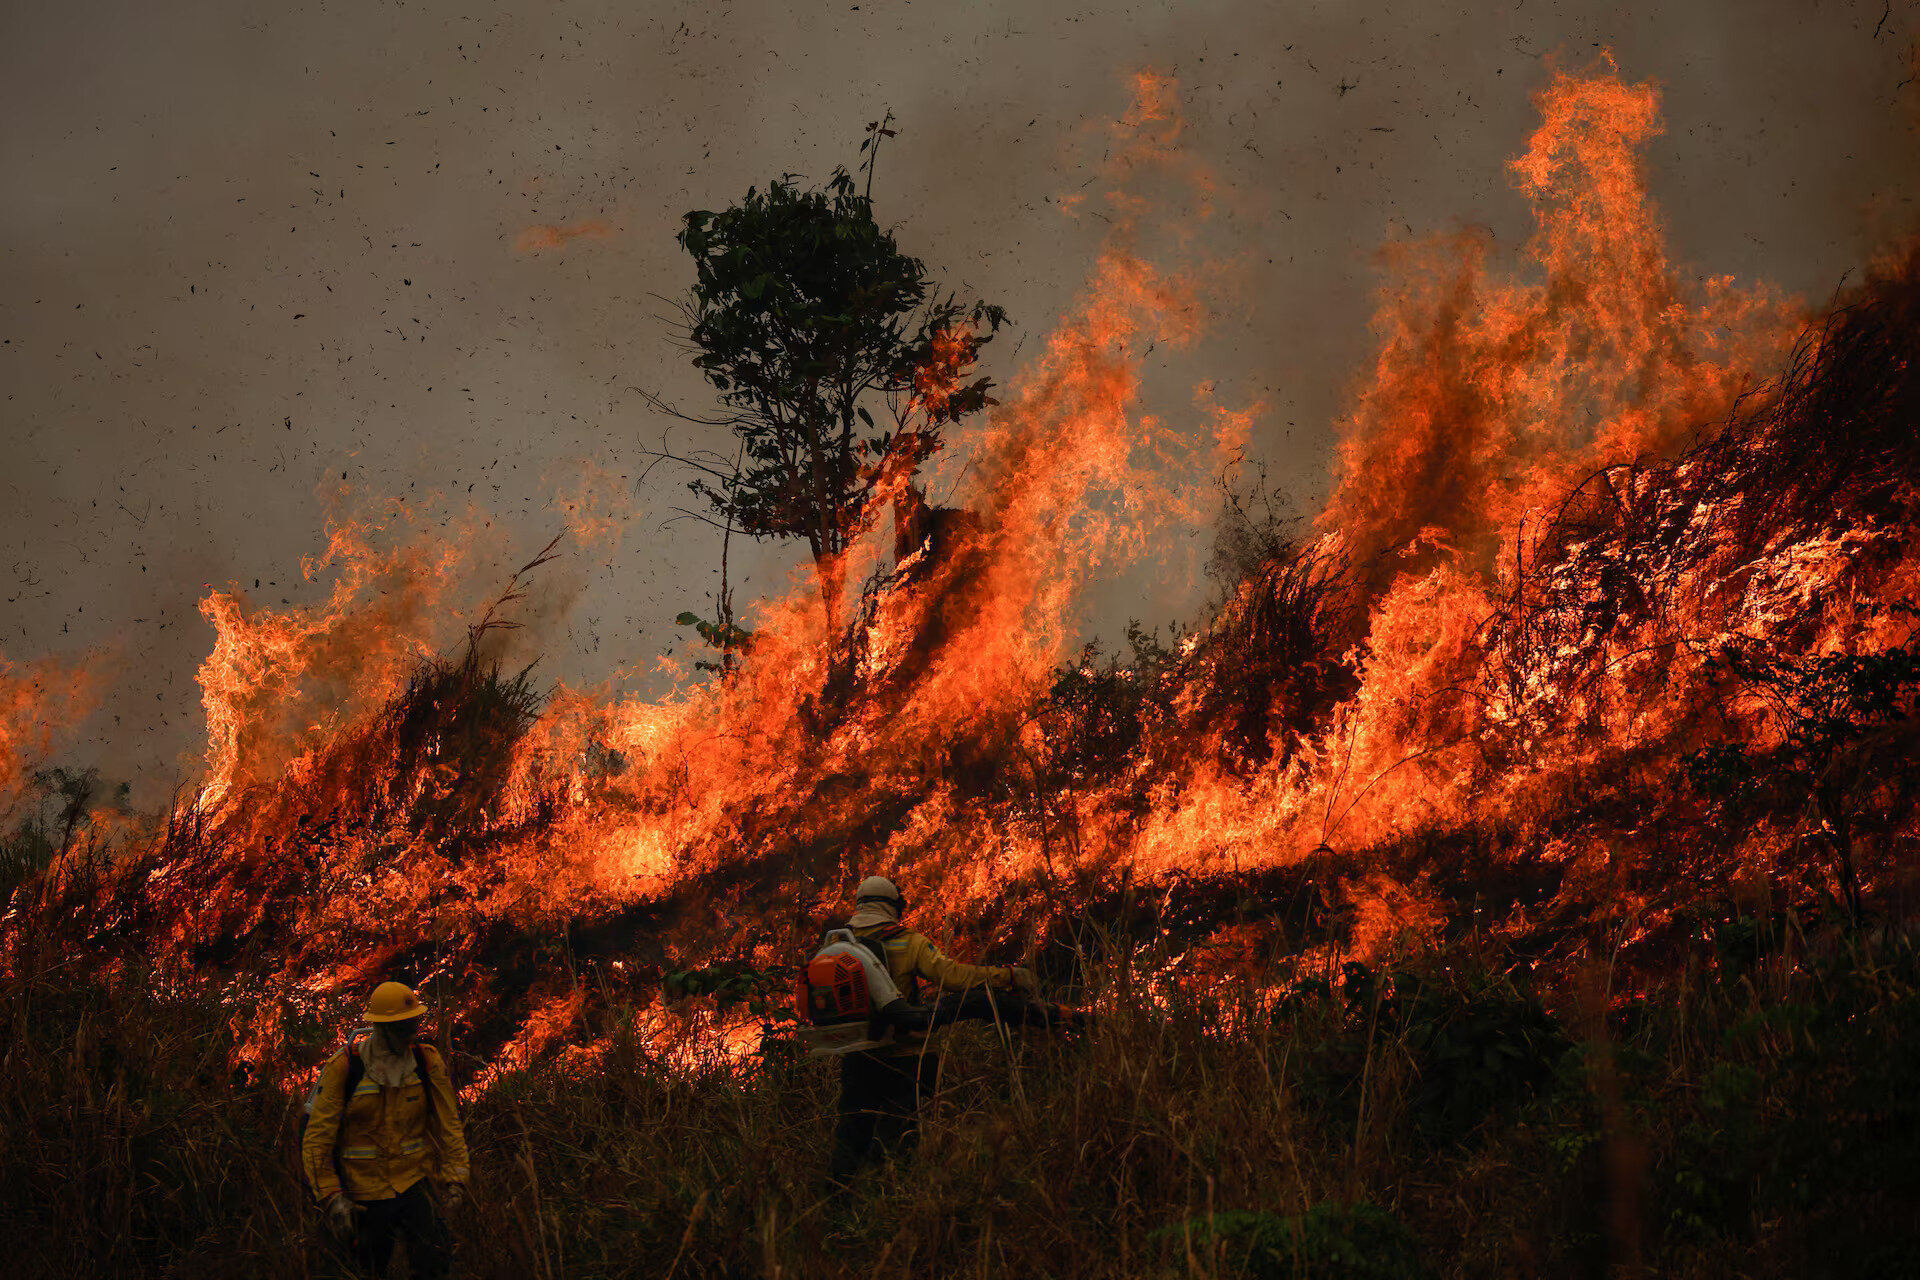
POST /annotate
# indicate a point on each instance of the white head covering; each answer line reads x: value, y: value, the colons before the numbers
x: 384, y: 1066
x: 876, y: 901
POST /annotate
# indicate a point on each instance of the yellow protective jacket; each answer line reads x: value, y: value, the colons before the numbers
x: 911, y: 959
x: 386, y: 1138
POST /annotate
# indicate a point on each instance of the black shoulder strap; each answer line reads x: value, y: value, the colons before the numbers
x: 428, y: 1057
x: 872, y: 943
x: 356, y: 1068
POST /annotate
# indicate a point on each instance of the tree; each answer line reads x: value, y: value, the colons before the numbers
x: 838, y: 359
x: 1845, y: 725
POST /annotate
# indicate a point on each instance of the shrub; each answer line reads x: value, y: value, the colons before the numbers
x: 1328, y: 1242
x: 1476, y: 1043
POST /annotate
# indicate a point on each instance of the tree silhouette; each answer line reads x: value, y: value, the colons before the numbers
x: 838, y: 360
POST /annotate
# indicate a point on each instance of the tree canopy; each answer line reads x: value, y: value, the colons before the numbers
x: 839, y: 359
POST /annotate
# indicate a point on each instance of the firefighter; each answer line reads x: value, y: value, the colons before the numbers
x: 881, y: 1089
x: 369, y: 1156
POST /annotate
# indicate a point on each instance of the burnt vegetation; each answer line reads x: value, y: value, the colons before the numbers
x: 1670, y: 1060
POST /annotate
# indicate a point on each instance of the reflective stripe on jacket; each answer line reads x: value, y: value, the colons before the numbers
x: 911, y: 958
x: 386, y: 1138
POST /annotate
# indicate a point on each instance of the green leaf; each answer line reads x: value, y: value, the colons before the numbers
x: 795, y: 289
x: 688, y: 619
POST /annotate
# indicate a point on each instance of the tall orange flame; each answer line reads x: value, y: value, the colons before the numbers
x: 1511, y: 599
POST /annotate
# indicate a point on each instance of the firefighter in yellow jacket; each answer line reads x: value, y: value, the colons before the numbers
x: 881, y: 1090
x: 368, y: 1156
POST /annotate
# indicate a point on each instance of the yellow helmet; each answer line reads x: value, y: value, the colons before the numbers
x: 393, y: 1002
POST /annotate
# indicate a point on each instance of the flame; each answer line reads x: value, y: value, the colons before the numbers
x: 1508, y: 603
x: 545, y: 237
x: 37, y: 700
x: 276, y: 682
x: 1490, y: 398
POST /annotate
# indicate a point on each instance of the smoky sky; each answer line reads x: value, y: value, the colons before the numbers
x: 251, y: 248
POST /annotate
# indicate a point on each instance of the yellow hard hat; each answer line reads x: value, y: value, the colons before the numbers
x: 393, y: 1002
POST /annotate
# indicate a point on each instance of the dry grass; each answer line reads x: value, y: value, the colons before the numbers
x: 1688, y: 1138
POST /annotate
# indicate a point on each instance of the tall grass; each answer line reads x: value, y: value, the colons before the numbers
x: 1754, y: 1117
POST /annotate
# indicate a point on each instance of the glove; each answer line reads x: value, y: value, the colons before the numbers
x: 453, y: 1196
x: 343, y: 1213
x: 1022, y: 981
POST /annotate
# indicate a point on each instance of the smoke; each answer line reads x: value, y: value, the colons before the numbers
x: 247, y: 260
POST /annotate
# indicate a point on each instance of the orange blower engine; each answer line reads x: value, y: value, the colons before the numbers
x: 844, y: 997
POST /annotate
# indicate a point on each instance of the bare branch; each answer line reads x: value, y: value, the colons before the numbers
x: 490, y: 619
x: 662, y: 406
x: 681, y: 513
